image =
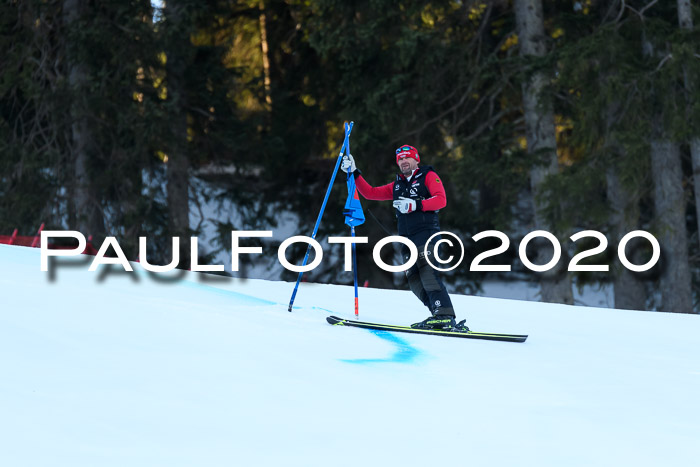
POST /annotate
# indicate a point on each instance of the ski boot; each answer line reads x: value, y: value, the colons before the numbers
x: 440, y: 322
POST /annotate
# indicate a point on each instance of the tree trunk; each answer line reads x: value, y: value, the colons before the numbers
x: 88, y: 216
x: 629, y: 291
x: 695, y: 158
x: 541, y: 140
x: 685, y: 20
x: 669, y: 206
x: 129, y: 200
x: 669, y: 203
x: 178, y: 162
x: 265, y: 55
x: 685, y: 14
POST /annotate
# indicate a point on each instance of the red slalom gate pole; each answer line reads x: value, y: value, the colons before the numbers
x: 37, y: 236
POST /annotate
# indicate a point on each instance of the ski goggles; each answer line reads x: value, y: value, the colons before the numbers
x: 407, y: 151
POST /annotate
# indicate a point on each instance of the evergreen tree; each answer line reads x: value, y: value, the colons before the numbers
x: 541, y: 139
x: 623, y: 97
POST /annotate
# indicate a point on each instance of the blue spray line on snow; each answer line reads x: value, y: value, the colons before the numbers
x: 404, y: 353
x: 243, y: 299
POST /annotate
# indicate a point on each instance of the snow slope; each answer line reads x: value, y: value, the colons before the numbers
x: 125, y: 369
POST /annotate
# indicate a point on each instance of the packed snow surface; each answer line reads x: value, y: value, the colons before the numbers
x: 110, y: 368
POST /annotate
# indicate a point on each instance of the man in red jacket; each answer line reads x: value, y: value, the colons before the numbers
x: 418, y: 195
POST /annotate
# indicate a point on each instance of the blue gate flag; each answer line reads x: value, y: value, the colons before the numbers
x: 353, y: 209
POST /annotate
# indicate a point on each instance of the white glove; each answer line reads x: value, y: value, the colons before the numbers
x: 348, y: 164
x: 405, y: 205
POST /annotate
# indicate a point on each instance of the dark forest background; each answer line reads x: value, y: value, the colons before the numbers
x: 538, y: 114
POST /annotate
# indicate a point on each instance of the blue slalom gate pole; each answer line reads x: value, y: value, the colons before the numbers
x: 348, y: 130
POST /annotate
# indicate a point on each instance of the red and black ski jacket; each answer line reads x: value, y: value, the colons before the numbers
x: 425, y: 187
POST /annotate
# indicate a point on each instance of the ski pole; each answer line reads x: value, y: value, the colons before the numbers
x: 348, y: 130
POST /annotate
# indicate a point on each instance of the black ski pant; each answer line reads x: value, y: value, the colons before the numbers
x: 425, y: 281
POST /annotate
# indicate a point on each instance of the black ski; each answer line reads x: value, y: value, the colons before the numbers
x: 434, y: 332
